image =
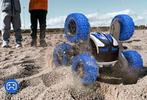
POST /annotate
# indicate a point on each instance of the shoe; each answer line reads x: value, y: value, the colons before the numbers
x: 33, y: 43
x: 18, y: 45
x: 43, y: 43
x: 5, y: 44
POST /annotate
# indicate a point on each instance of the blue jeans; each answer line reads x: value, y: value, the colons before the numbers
x: 6, y: 26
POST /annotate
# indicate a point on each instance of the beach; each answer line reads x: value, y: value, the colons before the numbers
x: 39, y: 79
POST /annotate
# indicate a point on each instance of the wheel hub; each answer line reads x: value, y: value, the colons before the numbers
x: 115, y: 29
x: 72, y: 27
x: 80, y: 70
x: 59, y: 57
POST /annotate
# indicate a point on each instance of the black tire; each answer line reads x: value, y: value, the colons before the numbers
x: 86, y: 68
x: 134, y: 59
x: 122, y: 27
x: 77, y: 27
x: 60, y: 54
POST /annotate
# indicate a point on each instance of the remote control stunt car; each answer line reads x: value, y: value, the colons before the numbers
x: 87, y: 51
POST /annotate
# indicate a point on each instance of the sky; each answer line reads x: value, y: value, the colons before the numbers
x: 99, y: 12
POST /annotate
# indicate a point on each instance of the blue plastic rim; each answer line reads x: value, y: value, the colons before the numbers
x: 90, y: 67
x: 134, y: 59
x: 82, y: 27
x: 127, y: 26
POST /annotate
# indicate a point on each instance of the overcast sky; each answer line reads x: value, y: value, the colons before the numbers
x: 99, y: 12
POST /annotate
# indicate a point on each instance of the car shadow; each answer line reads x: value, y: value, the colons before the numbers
x: 113, y: 75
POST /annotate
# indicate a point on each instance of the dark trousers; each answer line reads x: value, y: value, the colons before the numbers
x: 38, y: 15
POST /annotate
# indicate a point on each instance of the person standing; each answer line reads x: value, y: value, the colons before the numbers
x: 38, y: 12
x: 10, y: 11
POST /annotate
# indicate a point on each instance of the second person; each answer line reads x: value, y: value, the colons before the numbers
x: 38, y: 12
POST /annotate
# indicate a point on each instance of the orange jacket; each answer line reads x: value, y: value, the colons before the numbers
x: 38, y: 5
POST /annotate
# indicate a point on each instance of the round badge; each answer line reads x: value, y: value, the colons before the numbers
x: 11, y: 86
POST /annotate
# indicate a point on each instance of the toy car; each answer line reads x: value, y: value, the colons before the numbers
x: 87, y: 51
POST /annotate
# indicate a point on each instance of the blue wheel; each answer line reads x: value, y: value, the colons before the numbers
x: 60, y: 54
x: 134, y: 59
x: 86, y: 68
x: 77, y: 27
x: 122, y: 27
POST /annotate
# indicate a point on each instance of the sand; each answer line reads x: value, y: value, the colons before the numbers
x: 41, y: 80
